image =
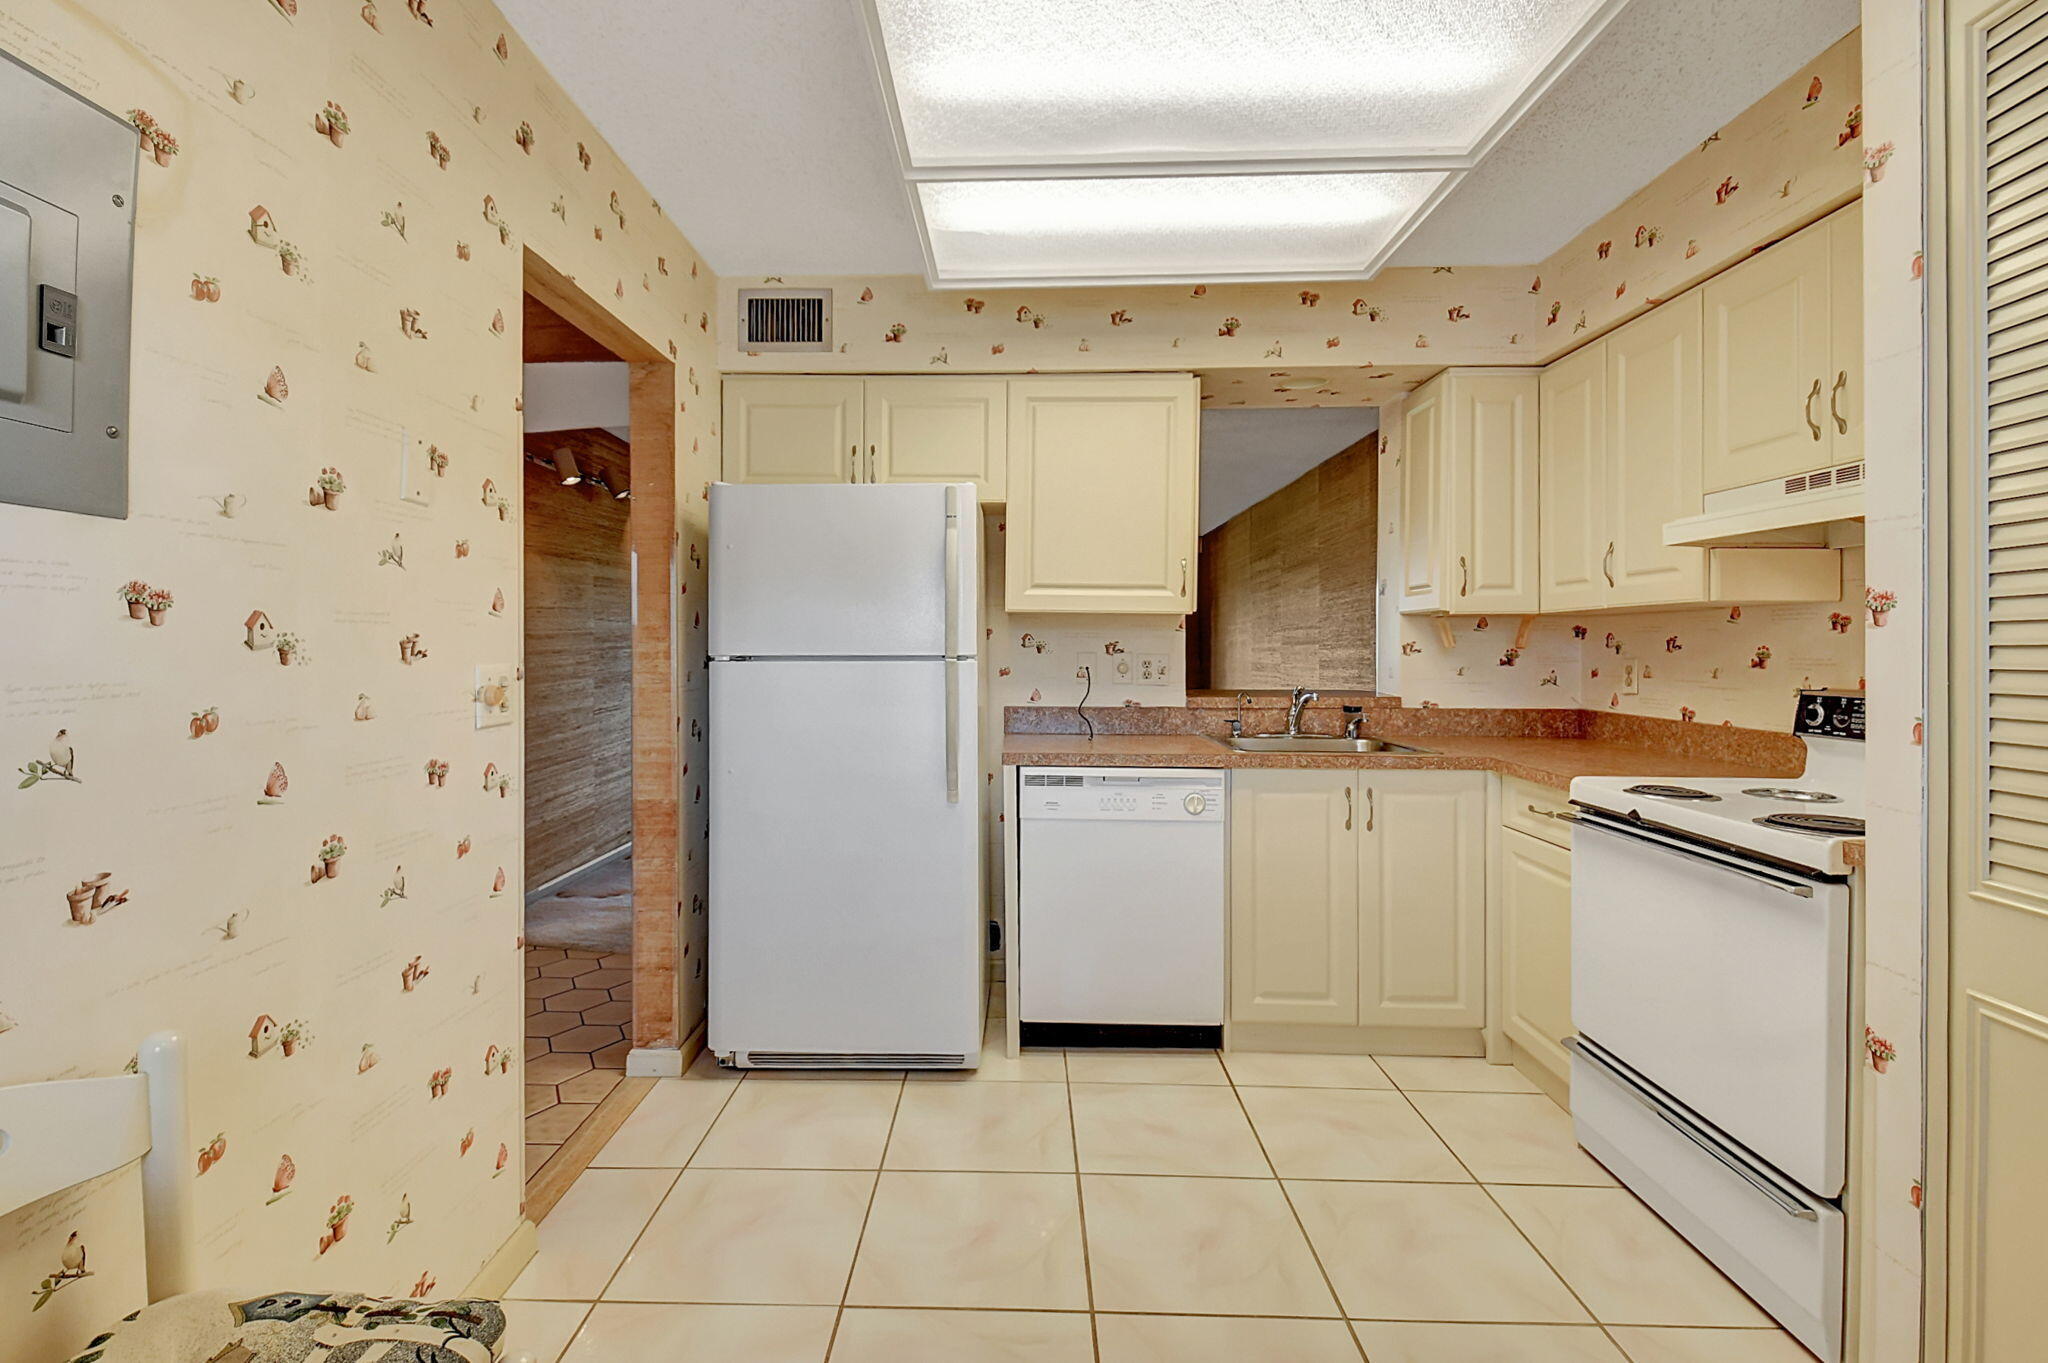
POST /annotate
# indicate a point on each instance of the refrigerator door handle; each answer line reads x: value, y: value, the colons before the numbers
x: 952, y: 731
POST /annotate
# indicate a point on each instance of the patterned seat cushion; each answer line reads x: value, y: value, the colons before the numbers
x: 296, y: 1327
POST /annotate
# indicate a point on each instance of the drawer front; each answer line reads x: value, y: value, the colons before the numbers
x: 1778, y: 1242
x: 1535, y: 810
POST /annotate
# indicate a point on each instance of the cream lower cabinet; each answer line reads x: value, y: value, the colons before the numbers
x: 1358, y: 898
x: 1536, y: 948
x: 1102, y: 509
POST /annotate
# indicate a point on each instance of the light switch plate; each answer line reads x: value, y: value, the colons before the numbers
x: 1108, y: 669
x: 496, y: 692
x: 415, y: 472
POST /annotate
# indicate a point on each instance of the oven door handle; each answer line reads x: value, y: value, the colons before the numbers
x: 1777, y: 1196
x: 1704, y: 858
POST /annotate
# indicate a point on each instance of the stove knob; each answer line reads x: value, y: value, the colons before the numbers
x: 1195, y: 802
x: 1816, y: 713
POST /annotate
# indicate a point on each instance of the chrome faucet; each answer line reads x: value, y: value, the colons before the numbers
x: 1237, y: 723
x: 1301, y: 698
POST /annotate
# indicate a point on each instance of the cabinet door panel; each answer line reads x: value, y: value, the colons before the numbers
x: 1293, y: 897
x: 937, y: 429
x: 1536, y: 947
x: 1571, y: 491
x: 1420, y: 454
x: 792, y: 430
x: 1652, y: 472
x: 1767, y: 365
x: 1491, y: 491
x: 1845, y: 335
x: 1422, y: 899
x: 1102, y: 494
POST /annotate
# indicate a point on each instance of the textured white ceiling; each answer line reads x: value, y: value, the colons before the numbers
x: 760, y: 125
x: 1249, y: 455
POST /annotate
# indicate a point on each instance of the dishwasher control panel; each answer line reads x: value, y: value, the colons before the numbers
x: 1080, y: 793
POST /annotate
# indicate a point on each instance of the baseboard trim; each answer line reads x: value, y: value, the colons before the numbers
x: 654, y: 1062
x: 541, y: 891
x: 1315, y: 1038
x: 495, y: 1278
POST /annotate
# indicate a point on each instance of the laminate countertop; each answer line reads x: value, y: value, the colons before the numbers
x: 1549, y: 762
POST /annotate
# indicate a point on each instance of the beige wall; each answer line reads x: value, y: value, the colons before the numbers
x: 224, y: 925
x: 1287, y: 585
x: 579, y: 662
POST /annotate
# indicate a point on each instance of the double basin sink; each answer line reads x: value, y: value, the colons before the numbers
x: 1318, y: 743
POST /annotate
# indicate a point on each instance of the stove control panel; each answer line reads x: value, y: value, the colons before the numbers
x: 1829, y: 714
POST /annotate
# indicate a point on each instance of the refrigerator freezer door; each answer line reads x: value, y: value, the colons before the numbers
x: 846, y: 914
x: 837, y: 570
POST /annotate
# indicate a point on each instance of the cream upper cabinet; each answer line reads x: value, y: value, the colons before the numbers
x: 1783, y: 357
x: 1102, y: 483
x: 1421, y: 498
x: 793, y: 429
x: 1536, y: 948
x: 938, y: 429
x: 1652, y: 451
x: 1422, y: 899
x: 1294, y: 897
x: 1468, y: 493
x: 1571, y: 508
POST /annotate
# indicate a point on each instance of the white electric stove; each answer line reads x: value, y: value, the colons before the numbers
x: 1710, y: 993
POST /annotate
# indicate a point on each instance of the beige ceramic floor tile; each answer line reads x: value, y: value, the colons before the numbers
x: 541, y: 1328
x: 871, y: 1335
x: 1273, y: 1069
x: 982, y: 1240
x: 1033, y: 1066
x: 1427, y: 1251
x: 1389, y: 1342
x: 1145, y: 1067
x: 1021, y: 1127
x: 589, y: 1231
x: 536, y: 1156
x: 553, y: 1069
x: 1446, y: 1074
x: 632, y: 1332
x: 1199, y: 1246
x: 763, y: 1236
x: 826, y: 1125
x: 1222, y: 1339
x: 1628, y: 1266
x: 1651, y: 1344
x: 1347, y: 1134
x: 556, y: 1124
x: 671, y: 1119
x: 1164, y: 1129
x: 539, y: 1097
x: 1512, y: 1138
x: 590, y: 1088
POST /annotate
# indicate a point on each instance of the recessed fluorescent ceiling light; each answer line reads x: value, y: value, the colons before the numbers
x: 1063, y: 81
x: 1209, y: 225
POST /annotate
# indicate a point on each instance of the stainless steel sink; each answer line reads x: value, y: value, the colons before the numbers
x: 1319, y: 743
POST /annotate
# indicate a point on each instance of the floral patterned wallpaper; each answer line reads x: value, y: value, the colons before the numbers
x: 1785, y: 161
x: 252, y: 800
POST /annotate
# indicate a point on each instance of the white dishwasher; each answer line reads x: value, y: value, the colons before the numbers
x: 1120, y: 907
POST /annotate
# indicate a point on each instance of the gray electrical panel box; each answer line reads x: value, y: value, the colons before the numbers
x: 67, y: 234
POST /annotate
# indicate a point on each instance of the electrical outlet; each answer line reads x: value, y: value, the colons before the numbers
x: 1631, y: 677
x: 415, y: 471
x: 1108, y: 669
x: 1151, y: 669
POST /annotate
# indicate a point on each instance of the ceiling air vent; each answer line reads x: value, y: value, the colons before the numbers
x: 785, y: 319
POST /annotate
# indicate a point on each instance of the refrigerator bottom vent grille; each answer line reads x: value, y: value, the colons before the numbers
x: 851, y: 1060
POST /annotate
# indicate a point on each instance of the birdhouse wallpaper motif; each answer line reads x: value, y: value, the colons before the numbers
x: 315, y: 203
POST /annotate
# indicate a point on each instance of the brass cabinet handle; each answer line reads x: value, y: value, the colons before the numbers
x: 1464, y: 576
x: 871, y: 463
x: 1811, y: 424
x: 1834, y: 406
x: 1562, y: 816
x: 853, y: 464
x: 1368, y: 809
x: 1347, y: 809
x: 1183, y: 577
x: 1607, y: 563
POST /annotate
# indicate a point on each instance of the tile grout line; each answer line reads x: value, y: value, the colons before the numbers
x: 1294, y: 1211
x: 874, y: 1190
x: 1081, y: 1210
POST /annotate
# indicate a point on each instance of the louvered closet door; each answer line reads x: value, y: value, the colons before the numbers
x: 1998, y: 440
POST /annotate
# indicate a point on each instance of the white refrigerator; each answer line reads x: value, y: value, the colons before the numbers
x: 846, y: 911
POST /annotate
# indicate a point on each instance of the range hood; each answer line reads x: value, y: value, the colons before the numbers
x: 1795, y: 510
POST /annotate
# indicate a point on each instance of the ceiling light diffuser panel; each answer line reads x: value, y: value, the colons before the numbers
x: 1166, y: 228
x: 1355, y: 115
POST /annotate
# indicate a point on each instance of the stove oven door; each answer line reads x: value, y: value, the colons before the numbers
x: 1723, y: 981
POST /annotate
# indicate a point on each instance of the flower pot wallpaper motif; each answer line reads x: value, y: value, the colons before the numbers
x: 1879, y: 604
x: 331, y: 123
x: 91, y: 898
x: 157, y: 144
x: 135, y: 593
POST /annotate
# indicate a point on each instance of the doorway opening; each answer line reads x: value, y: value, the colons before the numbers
x: 599, y: 705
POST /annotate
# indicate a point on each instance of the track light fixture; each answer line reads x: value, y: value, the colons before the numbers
x: 565, y: 465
